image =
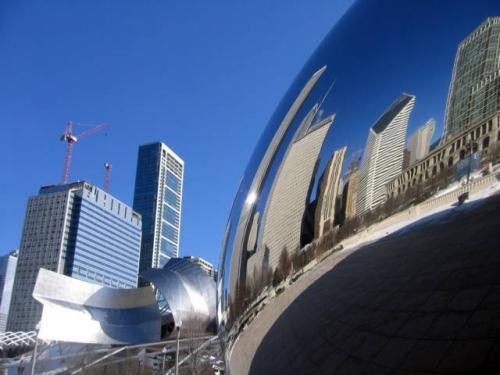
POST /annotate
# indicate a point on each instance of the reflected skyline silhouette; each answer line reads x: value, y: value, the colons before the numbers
x: 353, y: 143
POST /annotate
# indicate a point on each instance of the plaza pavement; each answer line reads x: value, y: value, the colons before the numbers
x: 423, y: 300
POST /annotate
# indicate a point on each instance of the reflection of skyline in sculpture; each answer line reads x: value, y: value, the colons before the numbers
x: 474, y: 93
x: 383, y: 156
x: 283, y: 214
x: 78, y: 311
x: 326, y: 208
x: 357, y: 195
x: 239, y: 244
x: 419, y: 141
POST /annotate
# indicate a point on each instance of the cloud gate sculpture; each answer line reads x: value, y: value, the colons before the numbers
x: 395, y: 119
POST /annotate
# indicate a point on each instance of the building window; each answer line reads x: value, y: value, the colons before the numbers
x: 168, y: 248
x: 173, y: 182
x: 169, y: 232
x: 170, y: 215
x: 172, y: 199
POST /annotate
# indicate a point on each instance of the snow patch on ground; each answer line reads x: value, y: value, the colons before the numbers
x: 435, y: 215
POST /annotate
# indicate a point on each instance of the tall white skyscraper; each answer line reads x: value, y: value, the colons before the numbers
x: 283, y: 215
x: 419, y: 142
x: 8, y: 265
x: 383, y: 156
x: 158, y: 198
x: 329, y: 190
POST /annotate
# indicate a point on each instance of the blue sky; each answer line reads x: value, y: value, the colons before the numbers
x: 204, y: 77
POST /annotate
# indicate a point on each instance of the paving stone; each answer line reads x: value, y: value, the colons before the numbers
x: 417, y: 325
x: 394, y: 352
x: 466, y: 355
x: 481, y: 324
x: 492, y: 299
x: 370, y: 346
x: 425, y: 355
x: 468, y: 299
x: 447, y: 325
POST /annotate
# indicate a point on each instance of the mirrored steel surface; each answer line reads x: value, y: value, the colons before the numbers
x: 189, y: 293
x: 399, y: 103
x: 77, y: 311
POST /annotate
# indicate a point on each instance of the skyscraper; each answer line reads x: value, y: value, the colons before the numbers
x: 475, y: 83
x: 283, y: 215
x: 204, y: 264
x: 78, y: 230
x: 329, y: 190
x: 158, y: 198
x: 350, y: 193
x: 419, y: 142
x: 8, y: 265
x: 383, y: 156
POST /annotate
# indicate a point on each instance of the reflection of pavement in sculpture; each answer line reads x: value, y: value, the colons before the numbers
x: 422, y: 300
x: 77, y: 311
x: 189, y: 293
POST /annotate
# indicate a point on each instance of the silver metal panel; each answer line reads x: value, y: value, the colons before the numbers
x: 189, y: 293
x: 77, y: 311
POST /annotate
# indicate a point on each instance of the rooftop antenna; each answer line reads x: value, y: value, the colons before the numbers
x: 107, y: 176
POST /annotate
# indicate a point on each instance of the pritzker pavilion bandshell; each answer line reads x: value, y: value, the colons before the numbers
x: 349, y: 249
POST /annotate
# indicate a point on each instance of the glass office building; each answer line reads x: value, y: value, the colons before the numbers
x: 158, y: 198
x: 474, y: 94
x: 78, y: 230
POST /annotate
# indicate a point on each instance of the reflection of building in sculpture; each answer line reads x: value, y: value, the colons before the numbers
x: 406, y: 158
x: 350, y: 193
x: 8, y: 265
x: 282, y: 221
x: 247, y: 221
x: 329, y: 190
x: 383, y: 157
x: 78, y: 311
x: 158, y: 198
x: 420, y: 141
x: 77, y: 230
x: 475, y: 84
x: 483, y: 137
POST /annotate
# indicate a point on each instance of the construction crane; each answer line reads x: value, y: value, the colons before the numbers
x: 107, y: 177
x: 70, y: 140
